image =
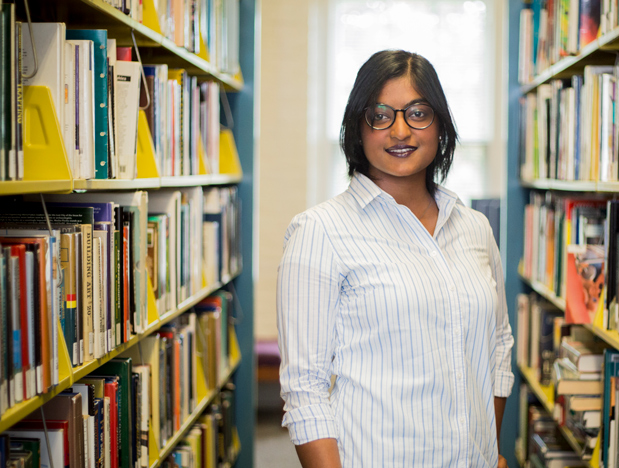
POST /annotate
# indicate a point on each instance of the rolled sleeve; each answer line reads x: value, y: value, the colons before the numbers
x: 504, y: 377
x: 308, y: 285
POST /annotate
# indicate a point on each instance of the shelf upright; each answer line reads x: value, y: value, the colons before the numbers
x: 244, y: 111
x: 512, y: 220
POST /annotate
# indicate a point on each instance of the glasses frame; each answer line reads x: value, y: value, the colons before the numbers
x: 395, y: 116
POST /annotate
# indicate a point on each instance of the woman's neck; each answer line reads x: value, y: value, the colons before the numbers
x: 411, y: 192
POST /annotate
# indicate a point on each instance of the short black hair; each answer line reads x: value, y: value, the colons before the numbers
x: 371, y: 78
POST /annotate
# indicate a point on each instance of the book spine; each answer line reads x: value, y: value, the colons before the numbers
x: 87, y: 291
x: 4, y: 395
x: 118, y: 286
x: 19, y: 95
x: 5, y: 109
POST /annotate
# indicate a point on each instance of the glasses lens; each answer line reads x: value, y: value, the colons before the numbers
x: 419, y: 116
x: 379, y: 116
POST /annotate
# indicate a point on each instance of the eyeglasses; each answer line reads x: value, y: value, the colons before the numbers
x: 382, y: 116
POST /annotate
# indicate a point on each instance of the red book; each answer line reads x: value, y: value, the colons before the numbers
x: 20, y: 326
x: 111, y: 389
x: 123, y: 54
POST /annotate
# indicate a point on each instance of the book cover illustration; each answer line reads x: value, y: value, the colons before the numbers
x: 585, y: 281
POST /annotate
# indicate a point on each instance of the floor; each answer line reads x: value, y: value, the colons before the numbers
x: 273, y: 448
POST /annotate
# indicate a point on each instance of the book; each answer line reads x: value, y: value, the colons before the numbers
x: 68, y: 104
x: 7, y: 160
x: 585, y: 280
x: 567, y: 384
x: 99, y: 40
x: 28, y: 444
x: 85, y: 136
x: 587, y: 357
x: 123, y: 369
x: 67, y: 407
x: 127, y: 105
x: 58, y: 433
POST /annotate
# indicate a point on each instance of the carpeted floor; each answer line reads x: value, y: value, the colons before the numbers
x: 273, y: 448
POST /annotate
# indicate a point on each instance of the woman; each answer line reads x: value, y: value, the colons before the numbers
x: 396, y: 288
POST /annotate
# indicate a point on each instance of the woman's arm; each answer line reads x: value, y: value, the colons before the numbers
x: 322, y: 453
x: 499, y: 409
x: 308, y: 287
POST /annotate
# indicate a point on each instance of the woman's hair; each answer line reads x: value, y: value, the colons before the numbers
x: 380, y: 68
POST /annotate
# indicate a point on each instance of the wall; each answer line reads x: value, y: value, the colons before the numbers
x: 282, y: 145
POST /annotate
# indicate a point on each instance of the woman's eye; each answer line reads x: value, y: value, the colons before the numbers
x: 417, y: 114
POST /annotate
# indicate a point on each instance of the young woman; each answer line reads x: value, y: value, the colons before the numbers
x: 396, y: 288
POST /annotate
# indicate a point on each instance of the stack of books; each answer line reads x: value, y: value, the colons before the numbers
x: 545, y: 446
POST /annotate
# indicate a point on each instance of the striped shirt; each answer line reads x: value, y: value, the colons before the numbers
x: 414, y: 326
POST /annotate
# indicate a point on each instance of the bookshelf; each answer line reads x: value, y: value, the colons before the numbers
x: 601, y: 51
x: 55, y: 178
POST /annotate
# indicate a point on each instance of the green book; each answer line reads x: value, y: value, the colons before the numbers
x: 25, y: 444
x: 122, y: 367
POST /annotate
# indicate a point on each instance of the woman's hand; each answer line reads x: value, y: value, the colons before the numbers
x: 502, y: 462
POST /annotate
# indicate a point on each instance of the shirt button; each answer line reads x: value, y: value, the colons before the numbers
x: 459, y: 375
x: 457, y: 332
x: 434, y: 253
x: 452, y: 287
x: 461, y: 420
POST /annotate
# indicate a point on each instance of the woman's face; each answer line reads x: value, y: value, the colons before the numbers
x: 399, y: 151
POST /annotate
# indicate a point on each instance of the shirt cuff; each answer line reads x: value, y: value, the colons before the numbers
x: 503, y: 383
x: 310, y: 423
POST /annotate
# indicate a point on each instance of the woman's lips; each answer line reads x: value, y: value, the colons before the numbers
x: 401, y: 151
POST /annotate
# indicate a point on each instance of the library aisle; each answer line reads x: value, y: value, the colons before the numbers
x: 273, y: 446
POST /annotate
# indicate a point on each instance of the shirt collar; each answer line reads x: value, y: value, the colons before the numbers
x: 365, y: 191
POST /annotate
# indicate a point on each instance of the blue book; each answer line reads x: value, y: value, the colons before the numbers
x: 99, y: 39
x: 611, y: 369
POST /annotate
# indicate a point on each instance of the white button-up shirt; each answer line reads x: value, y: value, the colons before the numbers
x: 414, y: 326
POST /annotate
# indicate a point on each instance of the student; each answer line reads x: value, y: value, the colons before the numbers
x: 396, y: 288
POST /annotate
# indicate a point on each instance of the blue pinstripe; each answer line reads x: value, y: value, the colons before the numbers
x: 365, y: 293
